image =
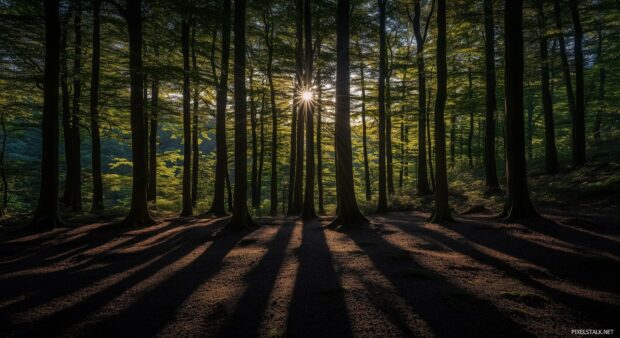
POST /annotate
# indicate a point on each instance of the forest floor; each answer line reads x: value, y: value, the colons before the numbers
x: 399, y: 277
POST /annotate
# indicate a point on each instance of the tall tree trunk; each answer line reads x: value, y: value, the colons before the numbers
x: 5, y: 183
x: 187, y: 128
x: 430, y: 142
x: 518, y: 205
x: 240, y: 216
x: 565, y: 69
x: 422, y: 179
x: 139, y: 212
x: 261, y: 156
x: 442, y: 210
x: 253, y: 126
x: 490, y: 166
x: 75, y: 200
x: 364, y: 131
x: 196, y: 101
x: 94, y: 113
x: 46, y: 215
x: 382, y: 204
x: 269, y: 34
x: 579, y: 124
x: 319, y: 126
x: 296, y: 207
x: 349, y: 215
x: 389, y: 155
x: 470, y: 138
x: 601, y: 89
x: 453, y: 139
x: 292, y: 156
x: 308, y: 212
x: 221, y: 167
x: 152, y: 184
x: 66, y: 113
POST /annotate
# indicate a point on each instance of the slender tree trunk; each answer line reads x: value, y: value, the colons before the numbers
x: 490, y: 166
x: 453, y: 139
x: 579, y: 124
x: 240, y: 216
x: 430, y: 142
x: 269, y: 34
x: 76, y: 179
x: 518, y: 205
x: 292, y: 156
x: 5, y: 183
x: 152, y: 185
x: 196, y: 101
x: 253, y: 126
x: 389, y: 155
x: 299, y: 152
x: 349, y: 215
x: 308, y: 212
x: 551, y: 156
x: 319, y: 126
x: 601, y: 89
x: 66, y: 114
x: 221, y: 167
x: 261, y: 156
x: 46, y: 215
x: 139, y: 212
x: 187, y: 129
x: 422, y: 179
x: 442, y: 210
x: 470, y: 139
x: 382, y: 204
x: 94, y: 113
x: 365, y: 133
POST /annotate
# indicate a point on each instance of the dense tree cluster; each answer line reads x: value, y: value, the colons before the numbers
x: 254, y: 107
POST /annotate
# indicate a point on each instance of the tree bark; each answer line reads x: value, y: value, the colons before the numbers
x: 139, y: 213
x: 319, y: 127
x: 296, y: 207
x: 253, y: 126
x: 187, y: 129
x: 66, y: 113
x: 389, y: 155
x: 308, y: 212
x: 196, y: 102
x: 75, y: 199
x: 442, y: 210
x: 261, y: 156
x: 241, y: 218
x: 579, y: 124
x: 348, y: 215
x: 364, y: 131
x: 518, y: 205
x: 470, y: 138
x: 422, y: 184
x: 5, y: 183
x: 490, y: 166
x: 221, y: 167
x: 152, y: 185
x: 382, y: 204
x: 269, y: 34
x: 94, y: 113
x: 601, y: 89
x: 46, y: 216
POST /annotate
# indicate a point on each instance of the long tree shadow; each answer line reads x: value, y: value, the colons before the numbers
x: 150, y: 313
x: 246, y: 319
x: 58, y: 284
x: 318, y: 307
x: 448, y: 309
x: 595, y: 311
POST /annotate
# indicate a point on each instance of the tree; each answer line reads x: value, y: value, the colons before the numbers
x: 138, y: 213
x: 349, y: 215
x: 152, y: 184
x: 441, y: 212
x: 269, y: 31
x: 76, y: 179
x: 195, y: 99
x: 240, y: 216
x: 46, y: 216
x: 551, y: 156
x: 308, y: 212
x: 296, y: 207
x: 97, y: 204
x: 221, y: 165
x: 382, y: 204
x: 422, y: 184
x: 490, y: 167
x: 364, y: 129
x: 518, y: 205
x: 187, y: 132
x: 579, y: 124
x: 319, y: 128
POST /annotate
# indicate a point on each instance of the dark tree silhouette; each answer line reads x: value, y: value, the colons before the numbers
x: 364, y: 128
x: 551, y: 156
x: 297, y: 202
x: 269, y: 31
x: 46, y: 215
x: 382, y: 203
x: 221, y: 166
x: 579, y: 124
x: 441, y: 212
x: 308, y: 212
x: 97, y: 204
x: 195, y: 101
x: 240, y: 216
x: 518, y: 205
x: 348, y: 215
x: 139, y: 212
x: 187, y: 132
x: 152, y: 185
x: 319, y: 127
x: 490, y: 167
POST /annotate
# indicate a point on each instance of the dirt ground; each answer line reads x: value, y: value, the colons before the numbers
x: 402, y: 277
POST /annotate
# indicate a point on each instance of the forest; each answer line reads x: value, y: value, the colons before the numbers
x: 303, y: 168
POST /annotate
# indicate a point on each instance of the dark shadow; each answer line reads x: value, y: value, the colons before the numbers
x: 246, y: 319
x: 447, y: 309
x: 318, y: 307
